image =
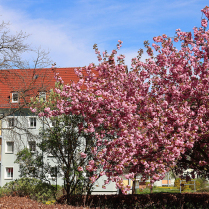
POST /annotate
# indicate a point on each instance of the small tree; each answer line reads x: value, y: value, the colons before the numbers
x: 12, y: 47
x: 66, y: 144
x: 20, y: 76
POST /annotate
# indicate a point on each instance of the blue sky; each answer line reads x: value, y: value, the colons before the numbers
x: 68, y: 29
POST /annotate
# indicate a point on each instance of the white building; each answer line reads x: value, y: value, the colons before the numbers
x: 20, y: 128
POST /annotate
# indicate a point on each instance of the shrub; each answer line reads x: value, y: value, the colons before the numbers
x: 184, y: 187
x: 31, y: 187
x: 59, y: 191
x: 2, y: 193
x: 199, y: 184
x: 177, y: 183
x: 204, y: 190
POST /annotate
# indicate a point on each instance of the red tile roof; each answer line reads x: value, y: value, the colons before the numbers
x: 28, y: 82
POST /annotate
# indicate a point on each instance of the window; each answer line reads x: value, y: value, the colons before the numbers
x: 53, y: 172
x: 32, y: 146
x: 53, y: 123
x: 12, y: 122
x: 42, y: 96
x: 32, y: 122
x: 9, y: 147
x: 15, y: 97
x: 9, y: 173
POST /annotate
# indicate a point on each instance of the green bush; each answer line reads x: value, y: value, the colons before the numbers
x: 184, y: 187
x: 204, y: 190
x: 203, y: 183
x: 1, y: 192
x: 177, y: 183
x: 199, y: 184
x: 30, y: 187
x: 59, y: 191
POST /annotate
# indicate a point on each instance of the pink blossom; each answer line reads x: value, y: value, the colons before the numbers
x: 204, y: 23
x: 83, y: 155
x: 202, y: 163
x: 91, y: 162
x: 41, y: 114
x: 89, y: 168
x: 33, y: 109
x: 102, y: 173
x: 47, y: 109
x: 80, y: 168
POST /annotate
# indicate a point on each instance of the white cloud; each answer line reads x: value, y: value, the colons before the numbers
x: 65, y: 50
x: 50, y: 36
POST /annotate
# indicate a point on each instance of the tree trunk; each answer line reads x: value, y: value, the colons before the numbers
x: 68, y: 193
x: 134, y: 187
x: 151, y: 189
x: 174, y: 174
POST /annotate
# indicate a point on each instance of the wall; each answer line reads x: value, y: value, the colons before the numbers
x: 20, y: 138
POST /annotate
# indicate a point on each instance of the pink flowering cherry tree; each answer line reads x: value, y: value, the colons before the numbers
x: 148, y: 119
x: 180, y: 92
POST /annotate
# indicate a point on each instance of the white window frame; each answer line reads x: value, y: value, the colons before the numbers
x: 42, y: 95
x: 32, y: 126
x: 14, y: 122
x: 11, y: 176
x: 29, y: 146
x: 15, y: 101
x: 6, y: 147
x: 49, y: 173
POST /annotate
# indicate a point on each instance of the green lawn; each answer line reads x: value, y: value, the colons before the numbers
x: 158, y: 189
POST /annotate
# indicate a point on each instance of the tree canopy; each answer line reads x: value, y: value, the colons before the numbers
x: 151, y: 118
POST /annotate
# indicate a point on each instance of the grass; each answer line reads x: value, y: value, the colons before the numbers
x: 169, y: 190
x: 158, y: 190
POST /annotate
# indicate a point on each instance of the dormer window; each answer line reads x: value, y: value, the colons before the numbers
x: 42, y: 96
x: 15, y: 97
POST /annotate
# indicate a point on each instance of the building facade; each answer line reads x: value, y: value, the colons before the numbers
x: 20, y: 127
